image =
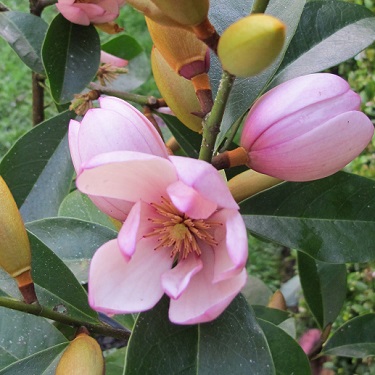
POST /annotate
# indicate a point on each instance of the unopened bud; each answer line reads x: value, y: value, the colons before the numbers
x: 83, y: 356
x: 250, y: 182
x: 15, y: 253
x: 251, y: 44
x: 186, y: 12
x: 177, y: 91
x: 150, y: 10
x: 186, y: 54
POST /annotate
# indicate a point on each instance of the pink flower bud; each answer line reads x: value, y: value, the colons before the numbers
x: 305, y: 129
x: 90, y: 11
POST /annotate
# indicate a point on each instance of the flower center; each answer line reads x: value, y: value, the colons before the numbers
x: 177, y: 231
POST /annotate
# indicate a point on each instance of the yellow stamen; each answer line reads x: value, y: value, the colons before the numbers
x: 177, y: 231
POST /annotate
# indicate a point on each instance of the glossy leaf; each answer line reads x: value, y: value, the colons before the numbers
x: 73, y: 241
x: 273, y: 316
x: 324, y: 24
x: 55, y: 285
x: 324, y: 288
x: 332, y: 219
x: 15, y: 29
x: 114, y: 362
x: 80, y: 206
x: 124, y: 46
x: 231, y: 344
x: 189, y: 141
x: 71, y: 55
x: 42, y: 363
x: 287, y: 355
x: 356, y: 338
x: 24, y: 336
x: 38, y: 168
x: 246, y: 90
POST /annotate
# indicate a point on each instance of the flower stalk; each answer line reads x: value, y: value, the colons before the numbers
x: 143, y: 100
x: 45, y: 312
x: 211, y: 127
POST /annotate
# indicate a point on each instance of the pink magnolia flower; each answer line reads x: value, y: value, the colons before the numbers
x: 183, y: 236
x: 115, y: 126
x: 84, y: 12
x: 306, y: 128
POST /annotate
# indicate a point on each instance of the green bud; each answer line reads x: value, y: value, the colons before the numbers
x: 251, y: 44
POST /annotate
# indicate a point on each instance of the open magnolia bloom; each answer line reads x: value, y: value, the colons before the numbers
x: 306, y: 128
x: 115, y: 126
x: 89, y: 11
x: 183, y: 236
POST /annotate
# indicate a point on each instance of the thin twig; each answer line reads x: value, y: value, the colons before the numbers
x: 38, y: 310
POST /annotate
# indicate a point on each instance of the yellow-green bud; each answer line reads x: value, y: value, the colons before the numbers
x: 185, y: 12
x: 177, y: 91
x: 15, y: 254
x: 150, y: 10
x: 251, y: 44
x: 83, y: 356
x: 250, y: 182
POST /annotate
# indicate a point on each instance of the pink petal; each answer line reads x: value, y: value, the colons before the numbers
x: 205, y: 179
x: 232, y: 251
x: 318, y: 153
x: 107, y: 58
x: 290, y: 96
x: 116, y: 208
x: 110, y: 11
x: 189, y: 201
x: 176, y: 280
x: 73, y: 14
x: 73, y: 136
x: 117, y: 286
x: 126, y: 175
x: 135, y: 227
x: 91, y: 10
x: 104, y: 130
x: 145, y: 128
x: 203, y: 300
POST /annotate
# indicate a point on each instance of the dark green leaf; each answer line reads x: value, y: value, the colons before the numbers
x: 114, y: 362
x: 80, y: 206
x: 55, y: 285
x: 231, y: 344
x: 71, y: 55
x: 246, y: 90
x: 15, y: 29
x: 38, y: 169
x: 24, y: 335
x: 42, y: 363
x: 189, y: 141
x: 274, y: 316
x: 329, y: 32
x: 124, y: 46
x: 356, y: 338
x: 73, y: 241
x: 324, y: 287
x: 332, y: 219
x: 287, y: 355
